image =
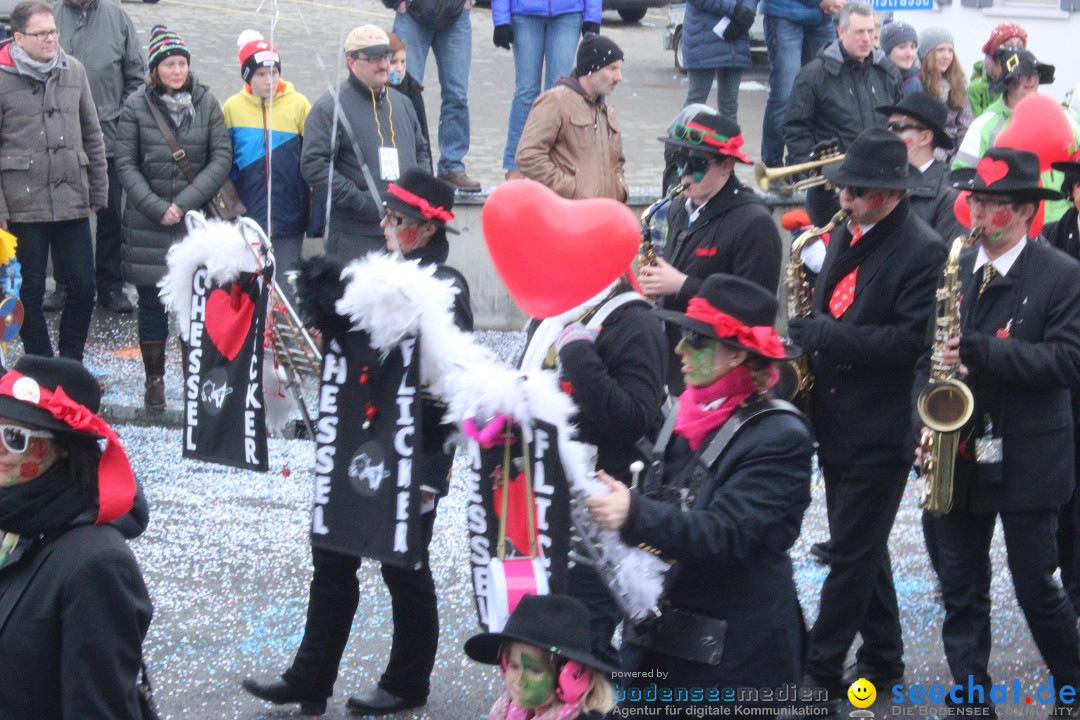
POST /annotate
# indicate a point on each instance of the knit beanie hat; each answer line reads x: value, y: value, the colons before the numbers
x: 930, y: 38
x: 165, y: 43
x: 256, y: 52
x: 1000, y: 34
x: 595, y: 52
x: 895, y: 33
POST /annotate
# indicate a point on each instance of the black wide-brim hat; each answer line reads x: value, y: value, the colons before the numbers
x: 876, y: 159
x: 420, y: 195
x: 50, y: 373
x: 746, y: 302
x: 709, y: 133
x: 1005, y: 171
x: 1018, y: 61
x: 557, y: 624
x: 1070, y: 165
x: 927, y: 110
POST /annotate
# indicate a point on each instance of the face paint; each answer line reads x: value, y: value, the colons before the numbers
x: 29, y: 469
x: 1001, y: 218
x: 537, y: 682
x: 407, y: 237
x: 38, y: 448
x: 699, y: 364
x: 873, y: 202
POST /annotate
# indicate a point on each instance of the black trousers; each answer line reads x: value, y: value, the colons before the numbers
x: 107, y: 241
x: 963, y: 541
x: 332, y: 603
x: 858, y: 596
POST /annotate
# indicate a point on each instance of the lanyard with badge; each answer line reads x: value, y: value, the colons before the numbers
x: 389, y: 166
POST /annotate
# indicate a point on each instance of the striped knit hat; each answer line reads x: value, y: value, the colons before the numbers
x: 165, y: 43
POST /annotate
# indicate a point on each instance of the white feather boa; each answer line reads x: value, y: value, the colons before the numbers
x: 390, y: 298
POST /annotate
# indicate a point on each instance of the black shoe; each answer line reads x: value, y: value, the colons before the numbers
x: 280, y: 692
x: 820, y: 552
x: 379, y: 702
x: 54, y: 301
x: 881, y: 680
x: 115, y: 301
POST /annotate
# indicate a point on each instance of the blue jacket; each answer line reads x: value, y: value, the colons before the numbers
x: 702, y: 48
x: 502, y: 10
x: 804, y: 12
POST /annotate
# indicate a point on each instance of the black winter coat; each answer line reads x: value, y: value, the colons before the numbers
x: 933, y: 199
x: 73, y: 614
x: 734, y: 234
x: 1025, y: 387
x: 864, y: 362
x: 732, y: 550
x: 415, y: 92
x: 1064, y: 233
x: 834, y: 97
x: 153, y: 179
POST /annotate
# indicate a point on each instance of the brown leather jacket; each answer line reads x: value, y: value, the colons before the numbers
x: 572, y: 145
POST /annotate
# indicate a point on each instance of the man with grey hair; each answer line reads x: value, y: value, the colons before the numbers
x: 835, y: 95
x: 53, y: 174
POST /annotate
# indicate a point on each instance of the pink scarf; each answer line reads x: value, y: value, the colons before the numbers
x: 505, y: 709
x: 698, y: 417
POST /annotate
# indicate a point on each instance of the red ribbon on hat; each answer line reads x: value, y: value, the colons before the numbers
x: 116, y: 481
x: 431, y: 212
x: 728, y: 146
x: 760, y: 338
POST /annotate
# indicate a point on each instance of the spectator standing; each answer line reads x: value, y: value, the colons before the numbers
x: 443, y: 26
x: 794, y: 32
x: 987, y: 71
x: 571, y: 141
x: 716, y: 44
x: 158, y: 191
x: 900, y: 43
x: 54, y: 173
x: 543, y: 36
x: 266, y: 126
x: 402, y: 81
x: 379, y: 121
x: 101, y: 35
x: 943, y: 79
x: 834, y: 97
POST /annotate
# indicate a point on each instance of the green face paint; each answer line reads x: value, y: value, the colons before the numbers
x: 537, y: 682
x: 701, y: 362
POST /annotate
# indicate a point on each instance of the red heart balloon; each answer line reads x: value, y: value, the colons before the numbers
x: 1039, y: 125
x: 552, y: 253
x: 227, y: 325
x: 991, y: 170
x: 962, y: 210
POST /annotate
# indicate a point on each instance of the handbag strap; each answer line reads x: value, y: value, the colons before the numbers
x: 178, y: 153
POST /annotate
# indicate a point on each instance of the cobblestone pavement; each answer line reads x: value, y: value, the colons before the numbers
x: 226, y: 554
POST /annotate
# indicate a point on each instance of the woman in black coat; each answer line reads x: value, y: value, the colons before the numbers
x: 73, y: 606
x: 727, y: 521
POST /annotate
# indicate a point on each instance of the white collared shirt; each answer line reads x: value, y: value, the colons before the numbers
x: 1003, y: 263
x: 695, y: 212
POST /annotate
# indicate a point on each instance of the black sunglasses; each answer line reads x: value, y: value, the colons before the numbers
x: 687, y: 164
x: 856, y: 192
x: 900, y: 126
x: 694, y: 340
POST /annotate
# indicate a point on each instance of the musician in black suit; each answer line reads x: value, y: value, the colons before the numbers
x: 872, y: 301
x: 1019, y: 352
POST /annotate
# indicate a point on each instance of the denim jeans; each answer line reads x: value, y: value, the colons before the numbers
x: 790, y: 46
x: 727, y: 89
x: 542, y: 46
x: 153, y: 320
x: 453, y: 57
x: 74, y: 261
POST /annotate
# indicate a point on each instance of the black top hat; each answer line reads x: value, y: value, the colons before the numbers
x: 927, y: 110
x: 875, y: 159
x: 738, y: 313
x: 709, y: 133
x: 1016, y: 62
x: 419, y: 195
x: 50, y: 373
x: 1004, y: 171
x: 553, y: 623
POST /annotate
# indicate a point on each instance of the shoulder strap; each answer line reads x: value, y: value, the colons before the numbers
x: 610, y: 306
x: 170, y: 139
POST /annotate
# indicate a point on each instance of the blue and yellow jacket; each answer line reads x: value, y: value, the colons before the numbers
x: 255, y: 143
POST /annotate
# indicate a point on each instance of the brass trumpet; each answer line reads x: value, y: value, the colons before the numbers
x: 766, y: 175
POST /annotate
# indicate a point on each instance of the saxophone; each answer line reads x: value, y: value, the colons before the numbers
x: 799, y: 297
x: 946, y: 403
x: 647, y: 250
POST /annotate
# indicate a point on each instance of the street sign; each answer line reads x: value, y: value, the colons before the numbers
x: 903, y: 4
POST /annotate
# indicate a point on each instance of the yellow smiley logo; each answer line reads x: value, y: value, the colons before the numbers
x: 862, y: 693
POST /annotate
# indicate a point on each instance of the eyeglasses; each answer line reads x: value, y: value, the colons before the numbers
x: 689, y: 135
x: 990, y: 204
x: 855, y: 192
x: 397, y: 219
x: 694, y: 340
x: 900, y: 126
x: 43, y: 35
x: 16, y: 438
x: 375, y: 60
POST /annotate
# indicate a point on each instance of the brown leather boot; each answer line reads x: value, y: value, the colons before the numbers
x: 153, y: 355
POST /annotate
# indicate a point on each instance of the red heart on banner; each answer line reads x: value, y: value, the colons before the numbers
x: 228, y: 323
x: 552, y: 253
x: 991, y: 170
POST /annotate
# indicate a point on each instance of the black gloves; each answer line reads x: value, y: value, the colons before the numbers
x: 503, y: 36
x: 741, y: 20
x: 590, y: 28
x: 974, y: 352
x: 810, y: 333
x: 825, y: 148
